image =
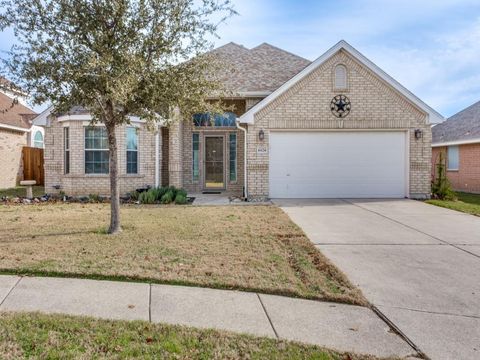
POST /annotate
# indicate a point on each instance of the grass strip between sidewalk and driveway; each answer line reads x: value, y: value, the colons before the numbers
x: 33, y: 335
x: 251, y: 248
x: 467, y: 203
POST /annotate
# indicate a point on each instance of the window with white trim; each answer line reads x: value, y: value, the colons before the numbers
x: 453, y: 158
x: 132, y: 150
x: 96, y: 150
x: 38, y: 140
x: 66, y: 149
x: 340, y: 82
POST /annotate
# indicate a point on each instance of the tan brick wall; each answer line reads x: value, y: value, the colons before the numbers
x: 79, y: 183
x: 11, y: 144
x: 375, y: 105
x: 467, y: 178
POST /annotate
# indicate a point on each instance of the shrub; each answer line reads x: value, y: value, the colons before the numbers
x: 441, y: 187
x: 168, y: 197
x: 134, y: 195
x: 174, y: 190
x: 180, y: 199
x: 156, y: 193
x: 94, y: 198
x: 181, y: 192
x: 147, y: 197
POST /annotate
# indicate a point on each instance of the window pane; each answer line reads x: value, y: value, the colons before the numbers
x: 66, y: 144
x: 96, y: 162
x: 132, y: 163
x: 196, y: 159
x: 206, y: 119
x: 453, y: 158
x: 96, y: 138
x: 132, y: 138
x: 233, y: 157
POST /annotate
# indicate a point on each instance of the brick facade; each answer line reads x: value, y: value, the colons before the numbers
x: 375, y: 105
x: 79, y: 183
x: 467, y: 177
x: 11, y: 144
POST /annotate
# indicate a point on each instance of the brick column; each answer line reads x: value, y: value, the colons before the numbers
x: 175, y: 154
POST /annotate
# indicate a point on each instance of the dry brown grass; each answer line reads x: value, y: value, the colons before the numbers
x: 37, y: 336
x: 254, y: 248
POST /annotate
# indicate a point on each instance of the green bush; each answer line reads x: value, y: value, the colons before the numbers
x: 156, y: 193
x: 167, y: 198
x: 441, y: 187
x: 147, y: 197
x: 94, y: 198
x: 180, y: 199
x: 181, y: 192
x: 134, y: 195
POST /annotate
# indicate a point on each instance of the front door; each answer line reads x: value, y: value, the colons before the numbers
x: 214, y: 163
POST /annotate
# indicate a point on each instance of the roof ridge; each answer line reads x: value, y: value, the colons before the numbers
x: 280, y: 49
x: 475, y: 104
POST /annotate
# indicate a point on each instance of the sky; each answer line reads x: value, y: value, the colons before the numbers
x: 432, y: 47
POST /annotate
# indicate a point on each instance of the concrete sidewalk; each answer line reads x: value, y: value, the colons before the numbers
x: 336, y: 326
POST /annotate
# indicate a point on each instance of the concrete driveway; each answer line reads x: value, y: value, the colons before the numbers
x: 417, y: 263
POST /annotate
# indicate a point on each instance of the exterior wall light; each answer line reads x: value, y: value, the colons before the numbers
x: 261, y: 135
x: 418, y: 134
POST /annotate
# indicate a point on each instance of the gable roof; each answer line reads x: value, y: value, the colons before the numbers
x: 433, y: 116
x: 461, y: 128
x: 258, y: 71
x: 17, y: 117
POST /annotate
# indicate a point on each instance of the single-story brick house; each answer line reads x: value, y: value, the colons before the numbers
x: 335, y: 127
x: 459, y: 140
x: 16, y: 131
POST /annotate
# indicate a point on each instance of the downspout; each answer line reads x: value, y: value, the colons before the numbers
x: 157, y: 156
x: 245, y: 184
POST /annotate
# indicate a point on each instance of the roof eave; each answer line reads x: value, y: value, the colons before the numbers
x: 456, y: 142
x: 433, y: 117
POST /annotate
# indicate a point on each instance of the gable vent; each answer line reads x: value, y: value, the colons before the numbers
x: 340, y: 77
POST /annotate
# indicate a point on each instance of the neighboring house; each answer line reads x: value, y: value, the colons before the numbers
x: 458, y: 139
x: 335, y: 127
x: 16, y: 131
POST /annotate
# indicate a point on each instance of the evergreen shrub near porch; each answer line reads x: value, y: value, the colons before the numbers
x: 162, y: 195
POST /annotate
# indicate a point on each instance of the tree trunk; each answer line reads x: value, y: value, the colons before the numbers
x: 114, y: 189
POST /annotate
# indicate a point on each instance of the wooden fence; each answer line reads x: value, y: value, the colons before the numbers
x: 33, y: 165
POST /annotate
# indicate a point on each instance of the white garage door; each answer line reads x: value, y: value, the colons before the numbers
x: 337, y: 164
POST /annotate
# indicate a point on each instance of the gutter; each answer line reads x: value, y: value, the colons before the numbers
x: 15, y: 128
x: 245, y: 184
x: 157, y: 156
x: 457, y: 142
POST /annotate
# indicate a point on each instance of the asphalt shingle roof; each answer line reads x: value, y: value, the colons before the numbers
x: 18, y: 115
x: 261, y: 69
x: 464, y: 125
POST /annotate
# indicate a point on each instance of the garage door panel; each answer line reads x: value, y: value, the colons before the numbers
x: 337, y: 164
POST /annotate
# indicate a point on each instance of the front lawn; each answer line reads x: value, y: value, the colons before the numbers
x: 253, y: 248
x: 25, y: 336
x: 20, y: 191
x: 467, y: 203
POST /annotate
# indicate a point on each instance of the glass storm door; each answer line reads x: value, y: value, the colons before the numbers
x: 214, y: 170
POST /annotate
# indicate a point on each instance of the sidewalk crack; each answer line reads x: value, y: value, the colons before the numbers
x: 150, y: 302
x: 268, y: 316
x: 10, y: 291
x: 399, y: 332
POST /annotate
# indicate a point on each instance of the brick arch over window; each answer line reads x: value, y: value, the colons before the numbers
x: 340, y: 81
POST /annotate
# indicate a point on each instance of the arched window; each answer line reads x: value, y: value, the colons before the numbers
x: 340, y: 77
x: 38, y: 140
